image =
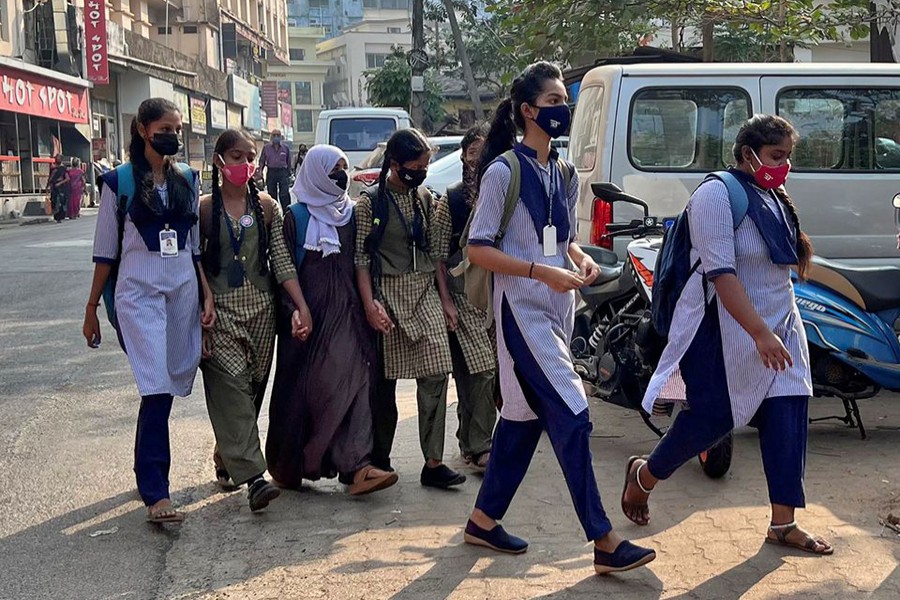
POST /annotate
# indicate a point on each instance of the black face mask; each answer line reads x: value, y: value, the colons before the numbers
x: 166, y: 144
x: 412, y: 178
x: 340, y: 178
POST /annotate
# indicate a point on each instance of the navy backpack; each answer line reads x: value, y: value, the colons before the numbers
x: 673, y: 265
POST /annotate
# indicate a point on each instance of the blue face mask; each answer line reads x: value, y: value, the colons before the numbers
x: 554, y: 120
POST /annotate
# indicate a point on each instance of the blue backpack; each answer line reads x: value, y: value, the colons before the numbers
x: 673, y: 265
x: 300, y: 212
x: 121, y: 181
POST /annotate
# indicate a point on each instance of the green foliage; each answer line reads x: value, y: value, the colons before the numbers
x: 577, y: 32
x: 391, y: 85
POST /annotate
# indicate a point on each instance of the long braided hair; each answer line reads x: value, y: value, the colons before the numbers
x: 405, y: 145
x: 181, y: 191
x: 770, y: 130
x: 212, y: 256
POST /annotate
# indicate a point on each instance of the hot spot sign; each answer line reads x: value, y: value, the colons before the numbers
x: 35, y: 95
x: 95, y: 39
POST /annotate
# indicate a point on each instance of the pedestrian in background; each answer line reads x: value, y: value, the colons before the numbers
x: 76, y: 188
x: 395, y: 273
x: 301, y: 154
x: 534, y: 304
x: 473, y: 354
x: 157, y: 301
x: 320, y: 420
x: 58, y: 189
x: 245, y: 258
x: 739, y: 345
x: 276, y: 161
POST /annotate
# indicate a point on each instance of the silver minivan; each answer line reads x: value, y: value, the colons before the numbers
x: 656, y: 130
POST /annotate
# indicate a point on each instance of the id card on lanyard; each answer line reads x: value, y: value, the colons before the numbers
x: 549, y: 242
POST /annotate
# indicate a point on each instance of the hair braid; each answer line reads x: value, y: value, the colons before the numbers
x: 212, y: 254
x: 263, y: 237
x: 380, y: 214
x: 804, y: 244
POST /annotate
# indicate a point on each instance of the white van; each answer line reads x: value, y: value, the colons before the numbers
x: 656, y: 130
x: 357, y: 131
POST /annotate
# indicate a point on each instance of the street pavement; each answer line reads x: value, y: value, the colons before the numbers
x: 72, y: 526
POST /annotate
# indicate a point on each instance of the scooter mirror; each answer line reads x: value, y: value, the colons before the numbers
x: 897, y: 202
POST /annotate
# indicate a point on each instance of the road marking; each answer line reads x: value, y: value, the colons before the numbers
x: 64, y: 244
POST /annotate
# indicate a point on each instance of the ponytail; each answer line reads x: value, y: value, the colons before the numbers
x: 501, y: 135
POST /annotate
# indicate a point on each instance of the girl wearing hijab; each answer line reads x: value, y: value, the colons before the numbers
x: 320, y: 422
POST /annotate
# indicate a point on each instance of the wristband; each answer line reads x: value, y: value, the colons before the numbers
x: 531, y: 271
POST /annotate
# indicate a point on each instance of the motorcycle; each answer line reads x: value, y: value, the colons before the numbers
x: 615, y: 348
x: 850, y: 315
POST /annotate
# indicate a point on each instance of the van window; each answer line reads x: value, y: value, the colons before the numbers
x: 583, y: 142
x: 685, y: 129
x: 847, y: 129
x: 360, y: 134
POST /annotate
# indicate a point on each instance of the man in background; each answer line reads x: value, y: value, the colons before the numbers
x: 276, y: 160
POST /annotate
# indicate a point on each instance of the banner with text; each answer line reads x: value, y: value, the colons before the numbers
x: 96, y: 41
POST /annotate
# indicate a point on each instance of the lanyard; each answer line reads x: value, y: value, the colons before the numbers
x: 548, y: 189
x: 411, y: 240
x: 236, y: 242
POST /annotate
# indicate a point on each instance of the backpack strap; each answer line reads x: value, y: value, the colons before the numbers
x: 512, y: 192
x: 268, y: 207
x: 737, y: 195
x: 206, y: 216
x: 300, y: 212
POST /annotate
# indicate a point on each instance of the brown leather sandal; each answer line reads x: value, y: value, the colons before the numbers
x: 365, y: 481
x: 782, y: 531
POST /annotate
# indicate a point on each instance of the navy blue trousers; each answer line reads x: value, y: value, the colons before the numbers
x: 151, y: 448
x: 781, y: 421
x: 514, y: 443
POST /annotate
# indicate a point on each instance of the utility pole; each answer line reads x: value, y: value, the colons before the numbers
x: 418, y: 61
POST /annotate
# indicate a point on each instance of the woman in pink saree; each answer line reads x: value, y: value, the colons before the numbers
x: 76, y: 189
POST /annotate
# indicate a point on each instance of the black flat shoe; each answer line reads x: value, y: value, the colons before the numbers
x: 495, y: 539
x: 261, y: 493
x: 626, y: 557
x: 441, y: 477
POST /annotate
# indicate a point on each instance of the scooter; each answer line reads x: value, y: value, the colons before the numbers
x: 850, y: 315
x: 614, y: 347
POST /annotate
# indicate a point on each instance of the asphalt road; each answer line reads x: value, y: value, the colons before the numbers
x: 68, y: 416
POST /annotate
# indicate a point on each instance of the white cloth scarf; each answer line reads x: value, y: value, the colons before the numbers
x: 329, y: 206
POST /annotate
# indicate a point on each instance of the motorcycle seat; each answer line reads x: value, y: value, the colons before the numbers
x: 608, y: 274
x: 871, y: 288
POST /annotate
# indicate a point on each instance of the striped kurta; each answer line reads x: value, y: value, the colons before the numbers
x: 544, y: 317
x: 742, y: 251
x: 157, y: 302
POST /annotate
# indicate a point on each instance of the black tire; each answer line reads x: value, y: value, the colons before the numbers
x: 717, y: 459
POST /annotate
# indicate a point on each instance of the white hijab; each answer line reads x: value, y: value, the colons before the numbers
x: 329, y: 206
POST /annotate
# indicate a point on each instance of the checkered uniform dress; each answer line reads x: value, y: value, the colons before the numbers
x: 244, y: 335
x: 418, y: 346
x: 472, y: 335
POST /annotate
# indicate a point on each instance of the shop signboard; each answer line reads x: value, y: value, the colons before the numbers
x: 198, y: 115
x: 247, y: 95
x: 183, y: 102
x: 218, y: 114
x: 39, y: 96
x: 96, y: 41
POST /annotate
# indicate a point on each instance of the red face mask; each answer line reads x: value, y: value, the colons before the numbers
x: 238, y: 175
x: 769, y: 177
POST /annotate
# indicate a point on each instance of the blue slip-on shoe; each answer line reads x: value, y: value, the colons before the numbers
x: 626, y: 557
x: 495, y: 539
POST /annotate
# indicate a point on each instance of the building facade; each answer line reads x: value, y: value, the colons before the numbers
x: 359, y: 48
x: 296, y: 91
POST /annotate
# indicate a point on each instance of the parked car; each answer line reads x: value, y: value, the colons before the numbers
x: 358, y: 131
x: 656, y: 130
x: 369, y: 168
x: 448, y: 170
